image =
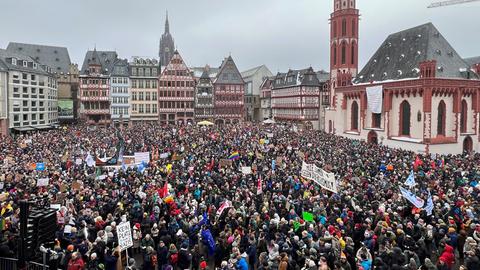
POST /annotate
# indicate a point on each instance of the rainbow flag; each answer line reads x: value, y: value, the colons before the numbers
x: 234, y: 156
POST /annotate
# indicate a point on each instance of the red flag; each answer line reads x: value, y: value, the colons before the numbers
x: 163, y: 192
x: 418, y: 162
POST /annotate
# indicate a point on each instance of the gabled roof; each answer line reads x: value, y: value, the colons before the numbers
x: 296, y: 78
x: 7, y: 64
x: 400, y: 54
x: 471, y: 61
x: 198, y: 72
x: 55, y: 57
x: 228, y: 73
x: 106, y: 58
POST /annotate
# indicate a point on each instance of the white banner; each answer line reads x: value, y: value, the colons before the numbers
x: 223, y: 206
x: 164, y: 155
x: 415, y: 200
x: 375, y: 98
x: 124, y: 233
x: 78, y: 161
x: 142, y: 157
x: 322, y: 178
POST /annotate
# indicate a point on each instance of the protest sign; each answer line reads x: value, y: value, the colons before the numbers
x: 319, y: 176
x: 124, y: 234
x: 78, y: 161
x: 225, y: 163
x: 247, y: 170
x: 142, y: 157
x: 164, y: 155
x: 409, y: 196
x: 42, y: 182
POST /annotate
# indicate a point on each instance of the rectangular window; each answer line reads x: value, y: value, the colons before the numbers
x: 147, y: 84
x: 134, y: 83
x: 154, y: 96
x: 154, y: 84
x: 140, y: 95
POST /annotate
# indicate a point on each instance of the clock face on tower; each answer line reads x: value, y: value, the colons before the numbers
x: 167, y: 49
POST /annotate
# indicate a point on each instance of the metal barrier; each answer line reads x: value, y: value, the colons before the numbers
x: 36, y: 266
x: 11, y: 264
x: 8, y: 263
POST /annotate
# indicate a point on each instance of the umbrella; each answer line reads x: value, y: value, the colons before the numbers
x: 205, y: 123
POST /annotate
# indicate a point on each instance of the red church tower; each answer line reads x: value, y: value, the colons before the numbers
x: 343, y: 45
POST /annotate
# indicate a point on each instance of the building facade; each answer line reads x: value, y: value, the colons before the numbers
x: 29, y: 93
x: 253, y: 79
x: 167, y: 45
x: 144, y: 89
x: 204, y: 99
x: 228, y: 90
x: 95, y: 87
x: 176, y: 92
x: 415, y: 93
x: 65, y: 72
x: 295, y: 97
x: 120, y: 92
x: 266, y: 98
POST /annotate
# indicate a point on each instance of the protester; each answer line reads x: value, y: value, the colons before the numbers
x: 232, y: 197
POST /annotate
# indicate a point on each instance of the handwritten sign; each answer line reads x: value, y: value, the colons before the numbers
x: 124, y: 234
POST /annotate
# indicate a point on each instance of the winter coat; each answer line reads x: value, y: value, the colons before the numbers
x: 448, y: 257
x: 76, y: 264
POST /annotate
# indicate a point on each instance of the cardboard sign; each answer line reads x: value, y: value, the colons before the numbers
x: 124, y: 233
x: 61, y: 198
x: 301, y: 155
x: 164, y: 155
x: 279, y: 161
x: 76, y: 185
x: 3, y: 197
x: 225, y: 163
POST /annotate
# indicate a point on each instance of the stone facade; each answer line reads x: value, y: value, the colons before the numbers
x: 144, y: 89
x: 253, y: 79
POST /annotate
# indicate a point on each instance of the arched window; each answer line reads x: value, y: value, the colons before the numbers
x: 405, y: 118
x: 353, y: 54
x: 353, y: 27
x: 334, y: 55
x: 344, y: 53
x: 463, y: 117
x: 334, y: 28
x: 441, y: 114
x: 330, y: 126
x: 344, y: 27
x: 354, y: 114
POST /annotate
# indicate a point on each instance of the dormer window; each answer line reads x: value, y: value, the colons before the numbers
x: 35, y: 65
x: 24, y: 63
x: 14, y: 61
x: 290, y: 79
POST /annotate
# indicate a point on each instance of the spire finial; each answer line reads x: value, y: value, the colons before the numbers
x: 167, y: 25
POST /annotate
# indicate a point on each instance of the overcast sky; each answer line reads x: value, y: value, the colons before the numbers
x: 282, y: 34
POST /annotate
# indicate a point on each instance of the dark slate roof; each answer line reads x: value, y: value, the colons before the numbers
x: 323, y: 76
x: 472, y: 60
x: 55, y: 57
x: 106, y: 59
x: 5, y: 62
x: 298, y: 77
x: 400, y: 54
x: 198, y: 72
x: 120, y: 68
x: 228, y: 73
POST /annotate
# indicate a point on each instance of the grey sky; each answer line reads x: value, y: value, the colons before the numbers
x: 279, y: 33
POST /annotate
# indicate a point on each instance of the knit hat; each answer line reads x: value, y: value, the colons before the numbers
x: 203, y: 265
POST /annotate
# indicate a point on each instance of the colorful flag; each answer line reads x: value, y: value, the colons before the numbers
x: 273, y: 164
x: 410, y: 180
x: 234, y: 156
x: 296, y: 225
x: 90, y: 161
x: 308, y: 216
x: 208, y: 241
x: 40, y: 166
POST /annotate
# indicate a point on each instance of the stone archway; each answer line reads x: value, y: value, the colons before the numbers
x: 372, y: 137
x: 219, y: 122
x: 468, y: 144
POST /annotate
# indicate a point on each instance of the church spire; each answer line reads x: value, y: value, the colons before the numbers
x: 167, y: 25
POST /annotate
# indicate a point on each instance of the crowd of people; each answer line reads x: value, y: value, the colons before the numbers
x: 192, y: 206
